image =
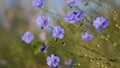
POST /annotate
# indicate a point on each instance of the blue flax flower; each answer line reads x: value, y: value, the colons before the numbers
x: 42, y: 22
x: 69, y: 63
x: 72, y: 2
x: 58, y: 32
x: 78, y: 15
x: 44, y: 48
x: 100, y: 23
x: 27, y: 37
x: 87, y: 36
x: 53, y: 60
x: 73, y: 17
x: 37, y: 3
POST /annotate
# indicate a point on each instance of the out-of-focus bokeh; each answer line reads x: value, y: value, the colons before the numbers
x: 18, y: 16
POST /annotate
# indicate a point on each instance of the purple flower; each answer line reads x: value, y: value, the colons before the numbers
x: 37, y: 3
x: 42, y: 22
x: 71, y: 2
x: 58, y: 32
x: 78, y: 15
x: 87, y: 36
x: 44, y: 48
x: 100, y: 23
x: 70, y: 18
x: 27, y: 37
x: 53, y: 60
x: 73, y: 17
x: 69, y: 63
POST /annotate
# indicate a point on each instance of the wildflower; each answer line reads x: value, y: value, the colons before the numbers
x: 71, y: 2
x: 73, y: 17
x: 42, y: 22
x: 53, y: 60
x: 69, y: 63
x: 87, y: 36
x: 27, y: 37
x: 37, y: 3
x: 100, y: 23
x: 44, y: 48
x: 79, y: 15
x: 58, y: 32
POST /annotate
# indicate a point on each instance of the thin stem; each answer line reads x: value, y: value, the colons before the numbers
x: 51, y: 27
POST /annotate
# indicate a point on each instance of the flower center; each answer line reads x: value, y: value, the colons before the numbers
x: 71, y: 0
x: 37, y: 4
x: 52, y: 60
x: 26, y: 36
x: 42, y: 21
x: 86, y: 36
x: 71, y: 18
x: 100, y: 23
x: 57, y: 32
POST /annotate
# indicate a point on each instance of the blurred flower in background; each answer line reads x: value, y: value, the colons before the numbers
x: 42, y: 36
x: 27, y: 37
x: 69, y: 63
x: 37, y: 3
x: 86, y: 36
x: 3, y: 62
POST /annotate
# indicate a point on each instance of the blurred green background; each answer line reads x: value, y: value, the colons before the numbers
x: 18, y: 16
